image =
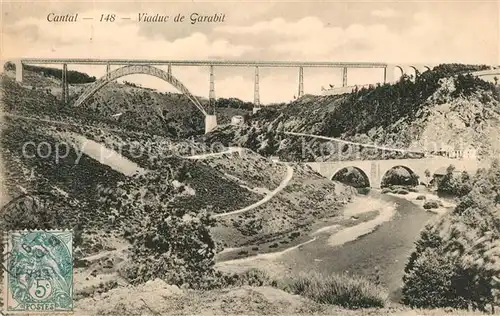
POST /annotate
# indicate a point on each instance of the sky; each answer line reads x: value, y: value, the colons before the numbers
x: 403, y: 32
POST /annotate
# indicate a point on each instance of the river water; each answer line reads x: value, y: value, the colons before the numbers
x: 388, y: 248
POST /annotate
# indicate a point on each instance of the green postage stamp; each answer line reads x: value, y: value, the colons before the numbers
x: 38, y: 276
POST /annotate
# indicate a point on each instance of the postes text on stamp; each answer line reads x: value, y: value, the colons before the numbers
x: 38, y: 273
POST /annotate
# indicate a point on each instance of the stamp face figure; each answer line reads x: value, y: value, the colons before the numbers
x: 39, y: 272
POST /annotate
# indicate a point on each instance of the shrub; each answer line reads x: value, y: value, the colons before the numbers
x: 251, y: 277
x: 431, y: 204
x: 386, y: 190
x: 255, y: 277
x: 344, y: 290
x: 363, y: 191
x: 430, y: 279
x: 452, y: 183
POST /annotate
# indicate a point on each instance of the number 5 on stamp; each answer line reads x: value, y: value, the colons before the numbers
x: 38, y: 275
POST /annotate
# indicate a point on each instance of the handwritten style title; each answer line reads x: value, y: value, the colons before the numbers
x: 143, y: 17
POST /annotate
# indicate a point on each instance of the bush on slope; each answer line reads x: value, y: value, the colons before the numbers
x: 457, y: 260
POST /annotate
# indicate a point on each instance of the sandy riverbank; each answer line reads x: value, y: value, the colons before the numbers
x: 341, y: 231
x: 385, y: 213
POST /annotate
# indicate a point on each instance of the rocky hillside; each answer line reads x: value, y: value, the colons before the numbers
x: 127, y: 105
x: 442, y: 107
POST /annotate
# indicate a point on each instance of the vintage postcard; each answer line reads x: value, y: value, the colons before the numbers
x: 250, y: 157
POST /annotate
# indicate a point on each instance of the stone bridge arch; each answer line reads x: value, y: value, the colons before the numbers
x: 363, y: 173
x: 395, y: 71
x: 385, y: 171
x: 412, y: 71
x: 138, y: 69
x: 420, y: 68
x: 401, y: 69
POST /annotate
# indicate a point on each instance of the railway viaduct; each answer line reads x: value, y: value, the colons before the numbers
x: 151, y: 67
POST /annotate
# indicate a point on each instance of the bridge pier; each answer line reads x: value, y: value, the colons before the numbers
x: 19, y: 70
x: 375, y: 175
x: 344, y: 77
x: 301, y: 82
x: 169, y: 69
x: 65, y: 87
x: 211, y: 94
x: 389, y: 74
x: 108, y: 70
x: 256, y: 94
x: 210, y: 122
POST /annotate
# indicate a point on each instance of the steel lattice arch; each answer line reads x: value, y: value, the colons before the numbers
x: 138, y: 69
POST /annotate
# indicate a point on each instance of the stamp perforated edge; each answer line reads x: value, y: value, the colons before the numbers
x: 6, y: 245
x: 5, y: 273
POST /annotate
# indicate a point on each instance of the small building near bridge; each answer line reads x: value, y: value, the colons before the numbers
x: 237, y: 120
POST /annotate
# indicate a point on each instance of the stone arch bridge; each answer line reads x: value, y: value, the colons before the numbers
x: 375, y: 170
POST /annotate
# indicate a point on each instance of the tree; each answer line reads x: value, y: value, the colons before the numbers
x: 455, y: 263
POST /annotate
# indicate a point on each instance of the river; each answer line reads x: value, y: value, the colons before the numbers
x: 387, y: 247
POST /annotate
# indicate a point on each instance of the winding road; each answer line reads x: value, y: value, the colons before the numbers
x: 283, y: 184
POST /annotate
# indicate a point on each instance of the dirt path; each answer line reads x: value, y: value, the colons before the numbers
x: 28, y: 118
x: 283, y: 184
x: 229, y: 151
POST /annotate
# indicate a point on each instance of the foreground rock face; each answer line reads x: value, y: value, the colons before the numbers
x: 158, y: 298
